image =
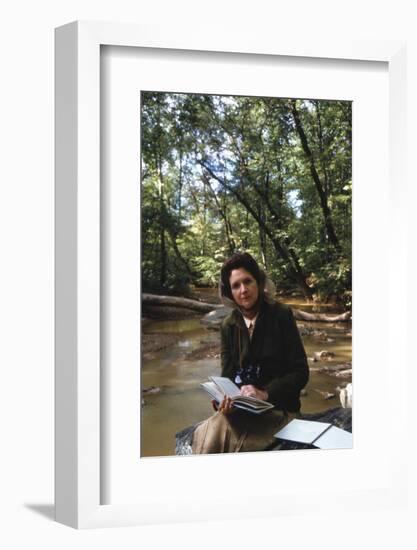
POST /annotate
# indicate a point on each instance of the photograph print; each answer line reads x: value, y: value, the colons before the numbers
x: 246, y: 274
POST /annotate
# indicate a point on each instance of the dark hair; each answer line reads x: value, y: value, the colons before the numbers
x: 237, y: 261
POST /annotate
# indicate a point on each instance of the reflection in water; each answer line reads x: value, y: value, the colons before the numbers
x: 181, y: 402
x: 173, y: 327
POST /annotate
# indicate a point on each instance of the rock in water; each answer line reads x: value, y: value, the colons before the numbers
x: 346, y: 397
x: 325, y: 394
x: 323, y: 355
x: 151, y: 390
x: 214, y: 318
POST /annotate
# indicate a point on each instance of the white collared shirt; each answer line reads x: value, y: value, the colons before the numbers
x: 248, y: 322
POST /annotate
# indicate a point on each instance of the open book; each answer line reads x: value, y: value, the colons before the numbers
x: 218, y: 387
x: 319, y: 434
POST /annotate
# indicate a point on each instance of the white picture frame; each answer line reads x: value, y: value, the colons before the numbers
x: 78, y: 292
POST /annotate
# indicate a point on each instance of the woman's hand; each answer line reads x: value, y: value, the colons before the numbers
x: 252, y: 391
x: 226, y: 406
x: 215, y: 405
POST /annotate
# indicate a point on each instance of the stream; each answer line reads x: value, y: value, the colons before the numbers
x: 185, y: 354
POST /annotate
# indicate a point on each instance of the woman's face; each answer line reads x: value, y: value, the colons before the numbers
x: 245, y: 291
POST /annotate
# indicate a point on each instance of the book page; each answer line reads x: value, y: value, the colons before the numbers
x: 302, y: 431
x: 252, y: 403
x: 335, y: 438
x: 228, y: 387
x: 213, y: 391
x: 251, y: 409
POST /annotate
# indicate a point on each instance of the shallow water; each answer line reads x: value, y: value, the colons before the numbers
x: 181, y: 402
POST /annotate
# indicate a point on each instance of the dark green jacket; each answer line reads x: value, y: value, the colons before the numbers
x: 276, y: 347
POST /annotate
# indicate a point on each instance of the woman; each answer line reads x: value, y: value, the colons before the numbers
x: 262, y: 352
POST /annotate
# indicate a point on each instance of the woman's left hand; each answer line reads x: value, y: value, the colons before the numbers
x: 252, y: 391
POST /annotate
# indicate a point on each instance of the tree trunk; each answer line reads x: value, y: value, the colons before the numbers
x: 184, y: 262
x: 163, y: 271
x: 320, y: 190
x: 327, y: 186
x: 163, y: 251
x: 223, y: 214
x: 262, y: 239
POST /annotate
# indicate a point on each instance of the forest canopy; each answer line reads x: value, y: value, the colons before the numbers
x: 270, y: 176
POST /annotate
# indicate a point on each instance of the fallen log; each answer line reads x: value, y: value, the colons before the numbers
x: 205, y: 307
x: 175, y: 301
x: 321, y: 317
x: 168, y: 313
x: 214, y: 319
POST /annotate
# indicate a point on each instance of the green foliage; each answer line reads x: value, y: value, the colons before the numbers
x: 334, y: 281
x: 268, y: 175
x: 209, y: 269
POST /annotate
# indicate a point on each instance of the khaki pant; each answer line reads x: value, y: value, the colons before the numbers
x: 238, y: 432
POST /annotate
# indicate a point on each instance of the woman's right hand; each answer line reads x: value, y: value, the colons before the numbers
x: 226, y: 406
